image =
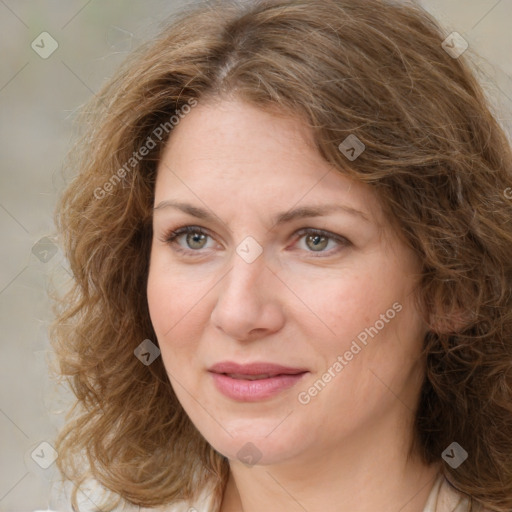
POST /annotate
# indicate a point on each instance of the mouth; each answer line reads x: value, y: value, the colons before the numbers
x: 255, y: 381
x: 250, y: 377
x: 259, y: 370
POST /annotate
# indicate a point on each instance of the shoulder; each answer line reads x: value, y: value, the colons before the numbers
x: 445, y: 498
x: 92, y: 494
x: 202, y: 504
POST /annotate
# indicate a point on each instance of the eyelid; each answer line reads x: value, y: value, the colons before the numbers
x: 171, y: 235
x: 339, y: 239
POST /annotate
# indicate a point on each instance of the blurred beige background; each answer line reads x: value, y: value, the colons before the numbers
x: 40, y: 92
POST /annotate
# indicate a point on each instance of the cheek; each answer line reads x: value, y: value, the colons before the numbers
x: 345, y: 302
x: 171, y: 296
x: 372, y: 306
x: 165, y: 309
x: 158, y: 300
x: 176, y: 307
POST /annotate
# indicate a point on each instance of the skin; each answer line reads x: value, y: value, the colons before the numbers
x: 293, y: 305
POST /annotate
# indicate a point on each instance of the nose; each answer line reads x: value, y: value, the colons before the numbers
x: 249, y: 301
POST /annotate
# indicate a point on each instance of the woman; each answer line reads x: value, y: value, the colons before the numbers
x: 290, y: 237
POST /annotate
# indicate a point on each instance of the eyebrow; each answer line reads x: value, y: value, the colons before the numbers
x: 281, y: 218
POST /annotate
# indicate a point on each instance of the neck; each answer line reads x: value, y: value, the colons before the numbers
x: 369, y: 472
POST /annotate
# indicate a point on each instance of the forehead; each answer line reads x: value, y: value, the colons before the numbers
x: 229, y: 150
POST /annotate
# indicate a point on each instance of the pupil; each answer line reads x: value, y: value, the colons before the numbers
x: 316, y: 239
x: 196, y: 237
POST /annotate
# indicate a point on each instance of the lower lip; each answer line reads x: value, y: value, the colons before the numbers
x: 254, y: 390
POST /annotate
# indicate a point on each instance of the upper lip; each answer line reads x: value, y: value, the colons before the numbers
x: 262, y: 368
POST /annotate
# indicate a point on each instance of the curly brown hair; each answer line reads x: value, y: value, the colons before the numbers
x: 436, y: 155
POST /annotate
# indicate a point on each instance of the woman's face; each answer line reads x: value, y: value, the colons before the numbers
x: 335, y: 309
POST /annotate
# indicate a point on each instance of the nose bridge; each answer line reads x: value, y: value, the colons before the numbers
x: 246, y: 300
x: 248, y: 269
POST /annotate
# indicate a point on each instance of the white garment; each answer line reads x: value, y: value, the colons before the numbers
x: 442, y: 498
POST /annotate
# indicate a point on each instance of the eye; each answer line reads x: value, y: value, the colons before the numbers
x: 318, y: 239
x: 195, y: 237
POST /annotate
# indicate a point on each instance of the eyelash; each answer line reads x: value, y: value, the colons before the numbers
x: 171, y: 236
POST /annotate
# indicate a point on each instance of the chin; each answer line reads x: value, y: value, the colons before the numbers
x: 255, y: 441
x: 251, y: 451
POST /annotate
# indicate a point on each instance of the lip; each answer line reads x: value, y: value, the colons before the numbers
x: 255, y: 368
x: 243, y: 390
